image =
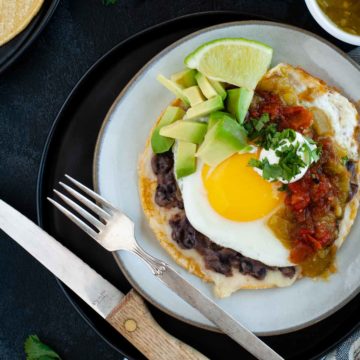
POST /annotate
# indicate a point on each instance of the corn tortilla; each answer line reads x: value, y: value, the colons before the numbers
x: 15, y: 16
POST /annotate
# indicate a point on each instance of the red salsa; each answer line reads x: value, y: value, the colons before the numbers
x: 315, y: 203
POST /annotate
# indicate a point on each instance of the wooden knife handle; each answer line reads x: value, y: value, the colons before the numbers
x: 132, y: 319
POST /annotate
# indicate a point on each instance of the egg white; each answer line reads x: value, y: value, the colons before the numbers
x: 253, y: 239
x: 343, y: 118
x: 341, y: 113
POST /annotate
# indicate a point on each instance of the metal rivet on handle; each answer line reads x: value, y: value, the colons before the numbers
x: 130, y: 325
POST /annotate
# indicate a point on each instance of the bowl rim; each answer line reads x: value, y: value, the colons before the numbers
x: 328, y: 25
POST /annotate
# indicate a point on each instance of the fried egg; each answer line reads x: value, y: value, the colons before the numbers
x: 231, y: 204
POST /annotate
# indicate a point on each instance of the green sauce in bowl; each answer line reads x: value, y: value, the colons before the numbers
x: 344, y: 13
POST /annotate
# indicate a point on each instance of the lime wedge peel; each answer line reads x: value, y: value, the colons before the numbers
x: 237, y: 61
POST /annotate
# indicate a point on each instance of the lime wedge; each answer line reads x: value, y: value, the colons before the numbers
x: 238, y: 62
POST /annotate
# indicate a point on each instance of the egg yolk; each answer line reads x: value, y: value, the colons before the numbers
x: 237, y: 192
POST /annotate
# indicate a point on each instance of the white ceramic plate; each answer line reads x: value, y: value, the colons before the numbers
x: 122, y: 140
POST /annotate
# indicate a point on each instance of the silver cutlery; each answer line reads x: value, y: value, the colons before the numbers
x: 128, y: 313
x: 355, y: 54
x: 115, y: 231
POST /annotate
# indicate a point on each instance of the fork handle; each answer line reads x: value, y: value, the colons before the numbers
x: 132, y: 319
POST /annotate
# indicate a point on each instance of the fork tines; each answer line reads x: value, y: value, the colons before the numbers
x: 104, y: 215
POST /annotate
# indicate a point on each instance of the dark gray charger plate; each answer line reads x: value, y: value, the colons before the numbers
x: 11, y: 50
x: 69, y: 149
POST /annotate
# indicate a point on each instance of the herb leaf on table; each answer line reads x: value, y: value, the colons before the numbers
x: 37, y: 350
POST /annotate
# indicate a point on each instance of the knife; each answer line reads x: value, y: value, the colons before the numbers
x: 128, y: 314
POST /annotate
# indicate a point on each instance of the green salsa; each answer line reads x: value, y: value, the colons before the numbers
x: 344, y: 13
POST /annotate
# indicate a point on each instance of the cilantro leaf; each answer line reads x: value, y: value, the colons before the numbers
x: 271, y: 171
x: 289, y: 165
x: 267, y: 136
x: 256, y: 127
x: 344, y: 160
x: 279, y: 138
x: 313, y: 153
x: 36, y: 350
x: 260, y: 123
x: 292, y: 157
x: 255, y: 163
x: 290, y: 161
x: 109, y: 2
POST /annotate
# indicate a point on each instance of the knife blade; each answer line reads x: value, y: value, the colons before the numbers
x: 128, y: 313
x: 71, y: 270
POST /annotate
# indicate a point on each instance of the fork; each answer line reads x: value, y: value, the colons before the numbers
x: 115, y: 231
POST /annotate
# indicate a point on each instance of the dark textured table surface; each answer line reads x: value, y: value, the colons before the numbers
x: 31, y: 93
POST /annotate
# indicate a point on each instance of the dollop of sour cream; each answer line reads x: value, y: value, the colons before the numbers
x: 301, y: 152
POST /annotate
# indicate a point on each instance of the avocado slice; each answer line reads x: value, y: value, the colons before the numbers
x: 190, y: 131
x: 194, y: 95
x: 224, y: 139
x: 185, y: 162
x: 185, y: 78
x: 174, y: 88
x: 205, y: 86
x: 218, y: 115
x: 219, y: 88
x: 205, y: 108
x: 238, y: 102
x: 160, y: 143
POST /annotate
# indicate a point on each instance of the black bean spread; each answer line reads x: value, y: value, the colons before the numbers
x: 219, y: 259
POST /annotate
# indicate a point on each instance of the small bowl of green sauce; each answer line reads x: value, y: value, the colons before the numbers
x: 340, y: 18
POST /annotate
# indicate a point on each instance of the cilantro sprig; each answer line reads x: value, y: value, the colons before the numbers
x: 290, y: 163
x: 344, y: 160
x: 37, y: 350
x: 266, y: 134
x: 312, y: 150
x: 257, y: 129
